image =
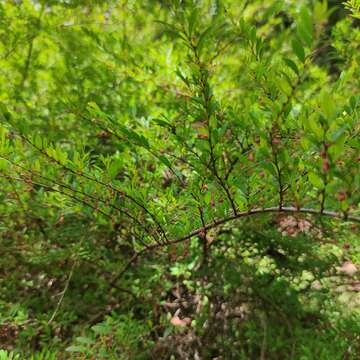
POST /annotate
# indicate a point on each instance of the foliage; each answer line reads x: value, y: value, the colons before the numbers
x: 354, y: 7
x: 180, y: 179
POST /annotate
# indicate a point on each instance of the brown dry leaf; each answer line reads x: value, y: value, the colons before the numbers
x: 176, y: 321
x: 355, y: 288
x: 348, y: 268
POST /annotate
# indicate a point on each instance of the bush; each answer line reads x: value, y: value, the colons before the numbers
x: 180, y: 179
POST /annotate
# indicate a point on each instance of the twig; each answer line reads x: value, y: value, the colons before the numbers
x: 263, y: 345
x: 95, y: 180
x: 63, y: 293
x: 239, y: 215
x: 44, y: 186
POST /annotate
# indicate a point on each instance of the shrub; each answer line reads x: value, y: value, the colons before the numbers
x: 194, y: 165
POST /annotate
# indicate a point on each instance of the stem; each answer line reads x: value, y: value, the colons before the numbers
x: 279, y: 179
x: 204, y: 84
x: 204, y: 238
x: 99, y: 182
x: 63, y: 293
x: 243, y: 214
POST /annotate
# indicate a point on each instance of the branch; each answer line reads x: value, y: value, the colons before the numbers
x: 239, y: 215
x: 63, y: 293
x: 32, y: 172
x: 252, y: 212
x: 97, y: 181
x: 217, y: 223
x: 50, y: 188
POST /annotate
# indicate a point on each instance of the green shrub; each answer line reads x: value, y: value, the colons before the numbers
x: 179, y: 179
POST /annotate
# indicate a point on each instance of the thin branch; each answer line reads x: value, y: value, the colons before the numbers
x: 63, y: 293
x: 203, y: 85
x: 27, y: 63
x: 152, y: 152
x: 97, y: 181
x: 76, y: 199
x: 203, y: 235
x: 258, y: 211
x: 263, y: 320
x: 31, y: 172
x: 243, y: 214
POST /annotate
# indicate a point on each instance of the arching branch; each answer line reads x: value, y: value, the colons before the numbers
x: 243, y: 214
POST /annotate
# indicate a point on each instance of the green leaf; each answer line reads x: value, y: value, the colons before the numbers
x: 93, y: 106
x: 203, y: 36
x: 102, y: 329
x: 182, y: 77
x: 172, y: 30
x: 316, y: 180
x: 4, y: 165
x: 85, y: 340
x: 306, y: 19
x: 114, y: 167
x: 164, y: 124
x: 291, y: 65
x: 305, y: 27
x: 164, y: 160
x: 353, y: 102
x: 76, y: 348
x: 38, y: 141
x: 328, y: 105
x: 192, y: 20
x: 304, y: 35
x: 284, y: 86
x: 4, y: 112
x: 207, y: 197
x: 134, y: 136
x: 298, y: 49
